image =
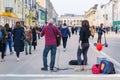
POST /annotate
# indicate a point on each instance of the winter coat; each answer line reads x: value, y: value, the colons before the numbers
x: 18, y: 39
x: 34, y: 34
x: 50, y: 39
x: 65, y: 31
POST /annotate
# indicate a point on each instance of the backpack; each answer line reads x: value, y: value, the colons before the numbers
x: 107, y: 67
x: 1, y: 34
x: 74, y: 62
x: 96, y: 69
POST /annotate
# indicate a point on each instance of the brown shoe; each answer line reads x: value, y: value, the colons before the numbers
x: 85, y: 68
x: 79, y: 68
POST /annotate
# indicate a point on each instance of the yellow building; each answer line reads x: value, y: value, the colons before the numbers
x: 90, y: 15
x: 30, y: 17
x: 41, y: 2
x: 19, y: 9
x: 7, y: 12
x: 27, y: 20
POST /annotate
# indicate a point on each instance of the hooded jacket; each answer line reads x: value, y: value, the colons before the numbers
x: 65, y: 31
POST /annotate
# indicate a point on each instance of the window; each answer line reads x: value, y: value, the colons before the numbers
x: 8, y: 9
x: 64, y: 21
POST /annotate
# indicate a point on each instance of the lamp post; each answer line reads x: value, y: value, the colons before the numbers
x: 22, y: 12
x: 46, y: 16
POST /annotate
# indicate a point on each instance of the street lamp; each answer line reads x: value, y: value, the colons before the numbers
x: 46, y: 16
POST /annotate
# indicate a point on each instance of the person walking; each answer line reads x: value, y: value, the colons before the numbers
x: 9, y: 38
x: 83, y: 46
x: 50, y: 44
x: 72, y: 30
x: 28, y: 40
x: 116, y: 30
x: 65, y: 33
x: 34, y: 34
x: 100, y: 32
x: 18, y: 39
x: 2, y: 42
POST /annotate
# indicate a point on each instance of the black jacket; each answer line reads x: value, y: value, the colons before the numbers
x: 84, y: 34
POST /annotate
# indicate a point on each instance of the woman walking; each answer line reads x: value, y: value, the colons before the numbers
x: 18, y: 39
x: 34, y: 34
x: 9, y: 38
x: 83, y: 46
x: 65, y: 33
x: 28, y: 40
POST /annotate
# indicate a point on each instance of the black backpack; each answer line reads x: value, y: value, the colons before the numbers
x: 74, y: 62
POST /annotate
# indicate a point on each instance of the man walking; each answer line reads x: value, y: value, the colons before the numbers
x: 100, y: 32
x: 50, y: 44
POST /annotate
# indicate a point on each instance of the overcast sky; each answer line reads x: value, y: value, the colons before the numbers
x: 75, y: 6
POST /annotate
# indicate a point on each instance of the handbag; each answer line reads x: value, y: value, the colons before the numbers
x: 58, y: 38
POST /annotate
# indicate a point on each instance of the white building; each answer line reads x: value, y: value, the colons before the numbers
x: 41, y: 14
x: 104, y: 14
x: 116, y: 13
x: 51, y: 13
x: 71, y: 19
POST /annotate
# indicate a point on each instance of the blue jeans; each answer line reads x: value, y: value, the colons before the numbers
x: 38, y: 36
x: 85, y: 47
x: 53, y: 56
x: 9, y: 43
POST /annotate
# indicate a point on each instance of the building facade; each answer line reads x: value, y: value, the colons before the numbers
x: 41, y: 15
x: 41, y: 3
x: 90, y: 15
x: 8, y: 12
x: 51, y: 13
x: 116, y: 13
x: 70, y: 19
x: 30, y: 12
x: 104, y: 14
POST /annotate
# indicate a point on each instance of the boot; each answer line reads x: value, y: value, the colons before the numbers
x: 85, y: 68
x: 79, y: 68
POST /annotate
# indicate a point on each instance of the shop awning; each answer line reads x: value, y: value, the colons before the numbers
x: 8, y: 14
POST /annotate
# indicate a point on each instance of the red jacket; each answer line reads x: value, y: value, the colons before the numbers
x: 50, y: 39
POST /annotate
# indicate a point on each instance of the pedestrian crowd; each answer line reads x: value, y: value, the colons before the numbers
x: 22, y: 38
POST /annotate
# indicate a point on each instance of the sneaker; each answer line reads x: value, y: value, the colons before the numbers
x: 18, y: 59
x: 44, y: 69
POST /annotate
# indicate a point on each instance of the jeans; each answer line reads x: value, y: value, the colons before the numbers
x: 9, y: 43
x: 64, y: 41
x: 28, y: 43
x: 53, y: 56
x: 38, y: 36
x: 99, y: 38
x: 85, y: 47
